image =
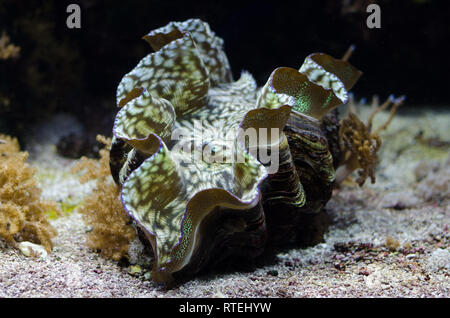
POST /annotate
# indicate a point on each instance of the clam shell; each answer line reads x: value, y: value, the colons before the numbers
x: 197, y: 211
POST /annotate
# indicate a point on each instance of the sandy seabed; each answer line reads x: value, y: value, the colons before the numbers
x: 388, y: 239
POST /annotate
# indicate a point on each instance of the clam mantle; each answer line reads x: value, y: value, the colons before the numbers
x: 196, y: 211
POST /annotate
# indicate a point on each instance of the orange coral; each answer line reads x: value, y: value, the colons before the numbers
x: 360, y: 145
x: 23, y: 215
x: 112, y: 231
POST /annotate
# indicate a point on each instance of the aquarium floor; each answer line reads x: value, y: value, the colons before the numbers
x: 390, y: 239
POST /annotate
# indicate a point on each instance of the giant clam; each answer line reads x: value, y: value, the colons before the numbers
x: 191, y: 176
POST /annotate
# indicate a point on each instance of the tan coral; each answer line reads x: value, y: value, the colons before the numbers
x: 102, y: 210
x: 23, y: 214
x: 7, y: 49
x: 361, y: 150
x: 360, y: 144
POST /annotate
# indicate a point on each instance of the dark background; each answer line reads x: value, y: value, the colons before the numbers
x: 77, y: 71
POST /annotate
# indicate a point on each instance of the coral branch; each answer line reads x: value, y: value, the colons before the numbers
x: 397, y: 102
x: 349, y: 52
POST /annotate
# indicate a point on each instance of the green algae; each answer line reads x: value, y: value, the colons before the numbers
x: 66, y: 207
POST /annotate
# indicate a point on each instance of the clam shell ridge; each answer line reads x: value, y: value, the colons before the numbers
x: 178, y: 148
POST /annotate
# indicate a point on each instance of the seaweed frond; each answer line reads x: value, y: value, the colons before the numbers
x: 23, y: 214
x: 360, y: 144
x: 111, y: 226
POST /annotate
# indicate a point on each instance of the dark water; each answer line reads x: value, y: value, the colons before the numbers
x: 77, y: 70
